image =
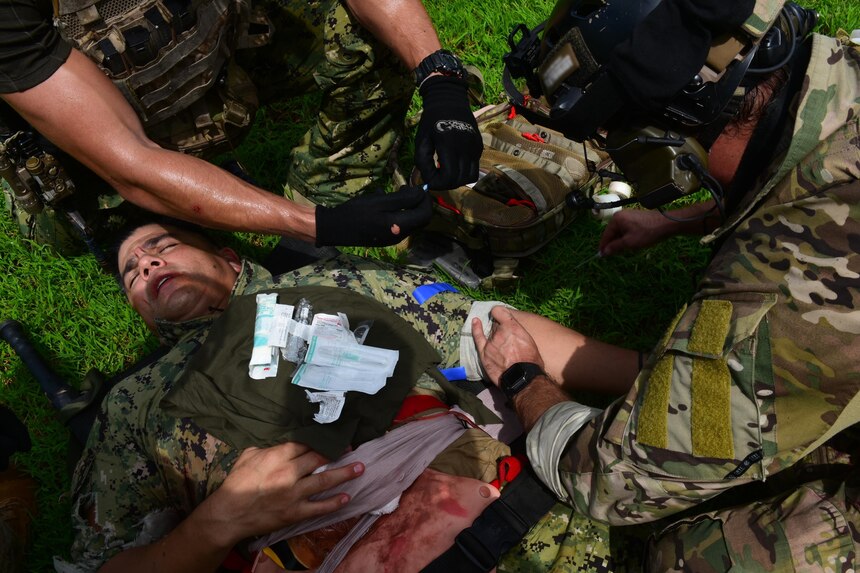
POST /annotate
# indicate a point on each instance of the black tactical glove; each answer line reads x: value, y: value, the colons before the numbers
x: 448, y: 128
x: 366, y: 220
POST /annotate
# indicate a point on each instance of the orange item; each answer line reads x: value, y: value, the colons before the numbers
x: 533, y: 137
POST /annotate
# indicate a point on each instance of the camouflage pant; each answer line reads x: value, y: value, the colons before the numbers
x: 365, y: 93
x: 564, y: 540
x: 813, y: 527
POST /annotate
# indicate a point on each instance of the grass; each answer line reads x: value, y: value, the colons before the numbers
x: 78, y: 319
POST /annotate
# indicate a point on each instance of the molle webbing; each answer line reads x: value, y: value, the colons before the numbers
x: 163, y: 55
x: 518, y: 203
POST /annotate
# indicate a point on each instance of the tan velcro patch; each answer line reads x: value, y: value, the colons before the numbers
x: 711, y: 327
x: 652, y: 427
x: 711, y: 408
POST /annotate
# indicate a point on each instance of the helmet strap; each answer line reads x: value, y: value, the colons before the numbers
x: 773, y: 131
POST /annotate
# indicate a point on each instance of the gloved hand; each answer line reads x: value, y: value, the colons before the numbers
x: 367, y: 220
x: 448, y: 128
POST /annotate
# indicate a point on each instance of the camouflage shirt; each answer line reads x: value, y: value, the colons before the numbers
x: 143, y: 471
x: 762, y: 365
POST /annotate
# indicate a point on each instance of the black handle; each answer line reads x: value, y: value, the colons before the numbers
x: 55, y: 388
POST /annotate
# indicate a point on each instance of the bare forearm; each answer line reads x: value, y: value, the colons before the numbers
x: 190, y: 547
x: 538, y: 397
x: 697, y: 219
x: 578, y: 362
x: 83, y: 113
x: 402, y: 25
x: 192, y: 189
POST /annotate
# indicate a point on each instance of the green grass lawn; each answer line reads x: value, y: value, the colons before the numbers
x: 78, y: 319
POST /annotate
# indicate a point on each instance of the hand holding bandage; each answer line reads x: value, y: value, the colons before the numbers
x: 507, y: 344
x: 270, y: 488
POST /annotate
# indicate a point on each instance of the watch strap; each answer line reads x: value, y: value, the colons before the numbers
x: 441, y: 61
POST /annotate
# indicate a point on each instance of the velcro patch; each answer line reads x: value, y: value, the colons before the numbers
x: 652, y: 428
x: 711, y: 327
x: 711, y: 410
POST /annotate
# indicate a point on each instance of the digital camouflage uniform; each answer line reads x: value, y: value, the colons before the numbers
x: 365, y: 89
x: 754, y: 374
x: 143, y: 471
x: 316, y: 47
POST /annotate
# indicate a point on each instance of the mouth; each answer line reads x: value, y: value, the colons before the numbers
x: 156, y: 285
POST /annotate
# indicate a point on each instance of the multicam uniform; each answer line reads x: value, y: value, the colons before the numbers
x: 316, y: 46
x: 754, y: 374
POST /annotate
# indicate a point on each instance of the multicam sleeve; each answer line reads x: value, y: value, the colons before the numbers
x: 687, y: 430
x: 551, y: 436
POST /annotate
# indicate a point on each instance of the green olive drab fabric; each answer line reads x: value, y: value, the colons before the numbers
x: 217, y: 392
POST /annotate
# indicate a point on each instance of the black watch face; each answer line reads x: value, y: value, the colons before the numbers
x: 518, y: 377
x: 439, y: 61
x: 512, y: 375
x: 449, y: 62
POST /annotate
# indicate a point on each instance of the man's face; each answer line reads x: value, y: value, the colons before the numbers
x: 175, y: 275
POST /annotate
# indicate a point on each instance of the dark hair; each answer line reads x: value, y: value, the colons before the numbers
x: 142, y: 220
x: 752, y: 106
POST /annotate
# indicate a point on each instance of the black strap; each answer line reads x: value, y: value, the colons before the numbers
x: 499, y: 527
x: 772, y: 135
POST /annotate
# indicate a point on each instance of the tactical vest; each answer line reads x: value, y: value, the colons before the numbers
x: 172, y: 60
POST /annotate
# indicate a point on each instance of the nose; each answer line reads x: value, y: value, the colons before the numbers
x: 148, y: 263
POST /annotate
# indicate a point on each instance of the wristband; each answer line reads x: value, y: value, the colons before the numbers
x: 441, y: 61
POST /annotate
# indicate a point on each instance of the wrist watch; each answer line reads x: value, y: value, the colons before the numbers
x: 517, y: 377
x: 441, y: 61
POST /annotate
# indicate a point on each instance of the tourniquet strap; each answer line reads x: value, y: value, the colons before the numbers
x: 499, y: 527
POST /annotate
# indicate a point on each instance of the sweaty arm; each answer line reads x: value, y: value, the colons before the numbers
x: 402, y: 25
x: 83, y: 113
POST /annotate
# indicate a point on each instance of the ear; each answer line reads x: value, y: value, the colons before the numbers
x: 232, y: 258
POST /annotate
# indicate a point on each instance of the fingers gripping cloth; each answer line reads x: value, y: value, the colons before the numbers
x: 392, y: 463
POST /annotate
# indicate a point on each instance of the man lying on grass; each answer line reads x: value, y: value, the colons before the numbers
x: 190, y: 458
